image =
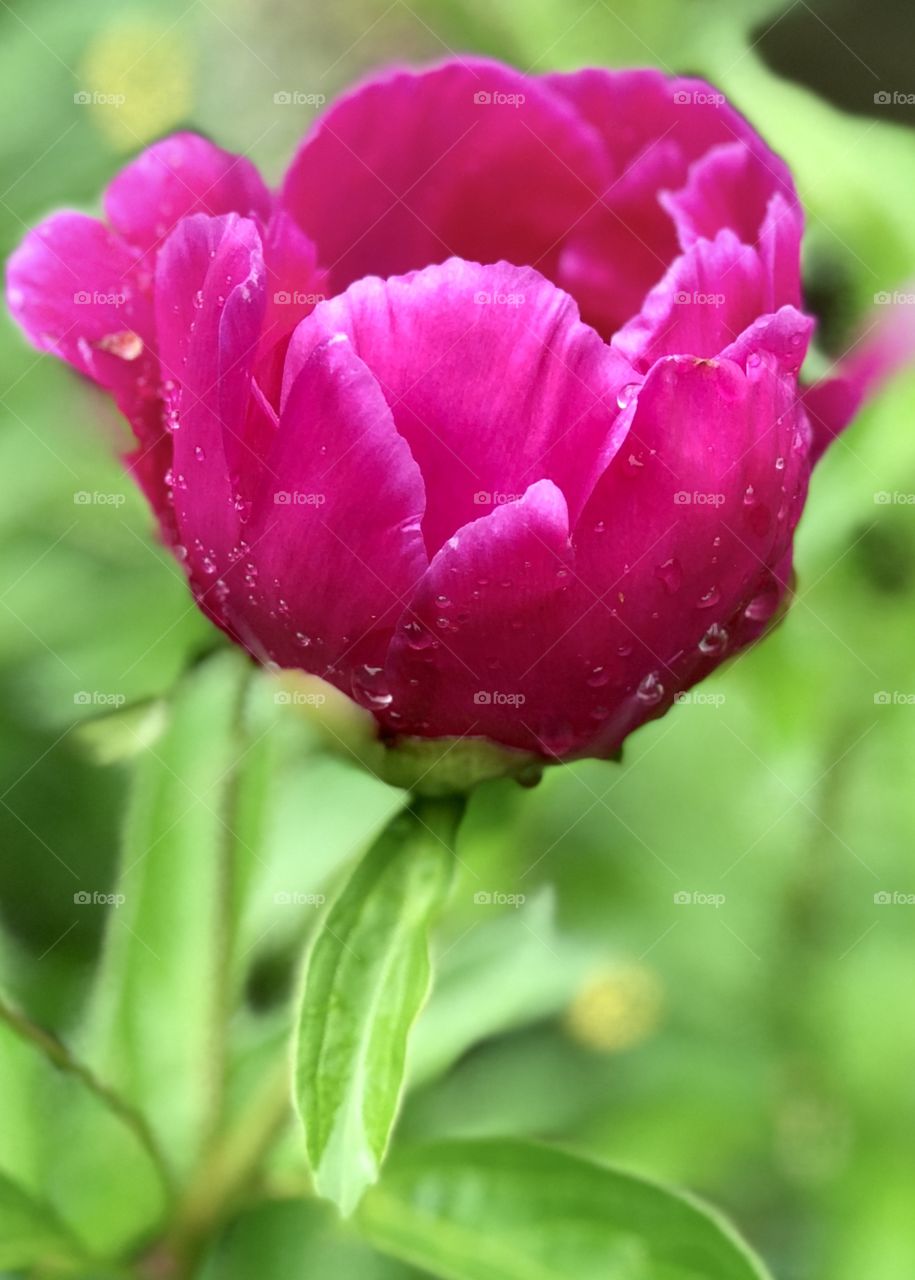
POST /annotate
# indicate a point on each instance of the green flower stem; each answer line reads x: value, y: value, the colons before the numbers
x: 60, y: 1057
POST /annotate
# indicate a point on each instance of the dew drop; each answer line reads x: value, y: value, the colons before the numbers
x: 369, y: 688
x: 670, y: 574
x: 709, y: 599
x: 126, y: 345
x: 715, y: 639
x: 417, y: 635
x: 650, y: 690
x: 764, y: 604
x: 627, y: 394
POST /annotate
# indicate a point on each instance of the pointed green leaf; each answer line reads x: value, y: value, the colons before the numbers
x: 366, y: 980
x: 509, y: 1210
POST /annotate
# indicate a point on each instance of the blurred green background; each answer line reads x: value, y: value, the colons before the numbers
x: 757, y: 1048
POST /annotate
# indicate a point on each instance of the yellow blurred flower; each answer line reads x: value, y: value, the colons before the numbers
x: 617, y: 1009
x: 137, y: 80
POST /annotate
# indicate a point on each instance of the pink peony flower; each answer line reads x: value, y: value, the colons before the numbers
x: 490, y: 416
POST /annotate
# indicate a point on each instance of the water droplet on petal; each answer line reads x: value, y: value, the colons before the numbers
x: 715, y: 639
x: 126, y: 345
x: 369, y: 688
x: 764, y: 603
x: 627, y: 394
x: 671, y: 574
x: 650, y: 690
x: 709, y: 599
x: 417, y: 635
x: 598, y: 677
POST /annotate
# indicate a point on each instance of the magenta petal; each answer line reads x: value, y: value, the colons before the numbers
x: 294, y: 283
x: 707, y: 298
x: 178, y: 176
x: 784, y: 335
x: 491, y: 377
x: 731, y: 186
x: 885, y: 347
x: 470, y: 159
x: 639, y: 110
x: 479, y: 624
x: 780, y: 248
x: 335, y: 540
x: 209, y: 307
x: 70, y: 287
x: 685, y: 525
x: 654, y: 128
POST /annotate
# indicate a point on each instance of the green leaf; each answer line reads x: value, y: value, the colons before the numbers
x: 366, y: 980
x: 159, y: 1015
x: 77, y: 1169
x: 30, y: 1235
x: 508, y: 1210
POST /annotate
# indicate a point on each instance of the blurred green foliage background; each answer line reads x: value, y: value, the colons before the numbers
x: 760, y: 1050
